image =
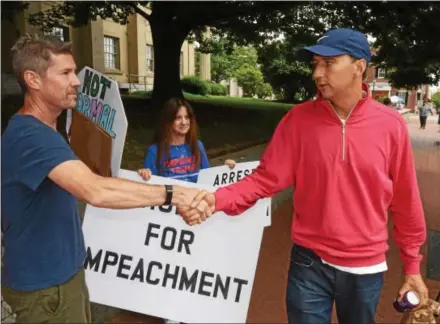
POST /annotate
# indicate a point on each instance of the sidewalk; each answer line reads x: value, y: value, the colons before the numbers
x: 430, y: 132
x: 267, y: 302
x: 414, y: 118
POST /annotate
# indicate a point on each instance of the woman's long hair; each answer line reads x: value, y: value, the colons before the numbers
x: 163, y: 135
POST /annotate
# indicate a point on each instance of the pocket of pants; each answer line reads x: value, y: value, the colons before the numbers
x: 50, y: 299
x: 302, y: 259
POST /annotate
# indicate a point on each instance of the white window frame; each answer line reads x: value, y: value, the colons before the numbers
x: 111, y: 53
x: 149, y: 57
x: 381, y: 74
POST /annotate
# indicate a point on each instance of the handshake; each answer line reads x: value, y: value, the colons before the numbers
x: 193, y: 205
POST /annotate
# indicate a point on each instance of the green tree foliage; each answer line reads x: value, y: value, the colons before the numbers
x: 249, y: 78
x: 287, y: 68
x: 264, y: 90
x: 171, y: 23
x: 407, y: 40
x: 241, y: 62
x: 227, y: 58
x: 406, y: 32
x: 436, y: 100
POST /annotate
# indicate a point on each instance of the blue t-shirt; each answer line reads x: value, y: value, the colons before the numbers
x: 42, y: 235
x: 181, y: 164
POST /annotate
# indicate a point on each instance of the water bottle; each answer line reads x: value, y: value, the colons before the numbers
x: 410, y: 300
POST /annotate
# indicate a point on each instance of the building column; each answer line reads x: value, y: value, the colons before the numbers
x: 412, y: 100
x: 205, y: 61
x: 133, y: 41
x: 97, y: 35
x: 88, y: 45
x: 205, y: 66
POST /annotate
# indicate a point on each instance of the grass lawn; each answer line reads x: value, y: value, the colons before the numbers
x: 222, y: 101
x: 233, y: 102
x: 226, y: 124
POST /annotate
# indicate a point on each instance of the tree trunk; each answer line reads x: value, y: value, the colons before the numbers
x: 168, y: 37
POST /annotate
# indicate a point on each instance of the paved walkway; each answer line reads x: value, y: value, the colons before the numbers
x: 432, y: 119
x: 430, y: 132
x: 267, y: 301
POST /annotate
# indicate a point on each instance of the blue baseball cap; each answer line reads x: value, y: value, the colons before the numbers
x: 342, y: 41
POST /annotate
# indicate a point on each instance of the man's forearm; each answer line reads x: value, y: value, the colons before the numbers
x: 406, y: 207
x: 122, y: 194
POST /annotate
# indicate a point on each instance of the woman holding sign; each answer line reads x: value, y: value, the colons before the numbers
x: 177, y: 151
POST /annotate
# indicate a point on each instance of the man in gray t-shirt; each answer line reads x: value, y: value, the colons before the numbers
x: 424, y: 111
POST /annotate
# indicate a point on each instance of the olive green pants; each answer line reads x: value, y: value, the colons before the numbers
x: 64, y: 303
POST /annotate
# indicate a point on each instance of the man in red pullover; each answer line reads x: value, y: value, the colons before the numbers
x: 349, y: 160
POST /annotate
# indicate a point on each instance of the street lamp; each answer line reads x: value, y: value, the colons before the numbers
x: 374, y: 84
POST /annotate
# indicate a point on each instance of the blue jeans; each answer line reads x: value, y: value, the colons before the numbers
x: 313, y: 287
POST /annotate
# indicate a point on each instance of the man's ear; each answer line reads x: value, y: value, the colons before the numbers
x: 362, y: 66
x: 32, y: 79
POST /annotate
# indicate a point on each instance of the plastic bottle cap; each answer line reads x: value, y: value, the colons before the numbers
x: 413, y: 298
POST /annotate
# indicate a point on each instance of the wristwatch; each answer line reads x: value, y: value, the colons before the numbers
x: 169, y: 195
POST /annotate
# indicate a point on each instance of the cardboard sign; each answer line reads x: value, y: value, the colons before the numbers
x: 149, y: 261
x: 100, y: 101
x: 425, y: 314
x: 222, y: 176
x: 91, y: 144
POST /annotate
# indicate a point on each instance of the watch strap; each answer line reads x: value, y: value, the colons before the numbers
x: 169, y: 194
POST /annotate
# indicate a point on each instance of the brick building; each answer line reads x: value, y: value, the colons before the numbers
x: 380, y: 87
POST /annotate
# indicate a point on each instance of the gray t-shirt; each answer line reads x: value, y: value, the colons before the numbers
x: 425, y: 110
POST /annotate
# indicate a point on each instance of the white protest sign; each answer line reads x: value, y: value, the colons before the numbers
x: 222, y: 176
x: 147, y: 260
x: 100, y: 101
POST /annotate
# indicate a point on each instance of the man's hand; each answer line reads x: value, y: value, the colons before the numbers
x: 186, y: 197
x: 202, y: 206
x: 414, y: 283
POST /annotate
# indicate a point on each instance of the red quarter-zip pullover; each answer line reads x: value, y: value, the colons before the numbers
x: 346, y: 176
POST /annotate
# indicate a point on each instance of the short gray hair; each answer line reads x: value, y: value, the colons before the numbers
x: 32, y: 52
